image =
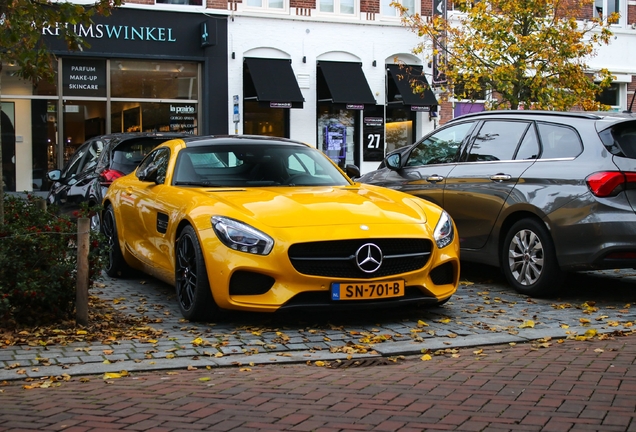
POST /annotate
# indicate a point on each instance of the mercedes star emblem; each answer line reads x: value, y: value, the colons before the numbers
x: 369, y: 258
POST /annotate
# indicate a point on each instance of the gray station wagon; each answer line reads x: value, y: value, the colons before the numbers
x: 536, y: 193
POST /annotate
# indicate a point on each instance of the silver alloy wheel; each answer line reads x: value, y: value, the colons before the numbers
x: 96, y: 224
x: 525, y: 257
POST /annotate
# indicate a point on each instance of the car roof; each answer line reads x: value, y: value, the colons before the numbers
x: 603, y: 116
x: 194, y: 141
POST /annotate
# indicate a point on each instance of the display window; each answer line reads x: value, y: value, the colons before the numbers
x: 260, y: 120
x: 337, y: 134
x: 400, y: 124
x: 87, y: 98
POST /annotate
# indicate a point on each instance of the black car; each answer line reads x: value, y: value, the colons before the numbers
x: 95, y: 165
x: 536, y: 193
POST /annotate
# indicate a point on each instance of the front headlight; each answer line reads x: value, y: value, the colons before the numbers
x: 444, y: 232
x: 241, y: 237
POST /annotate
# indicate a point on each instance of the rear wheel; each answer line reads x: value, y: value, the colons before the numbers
x: 193, y: 288
x: 529, y: 261
x: 116, y: 266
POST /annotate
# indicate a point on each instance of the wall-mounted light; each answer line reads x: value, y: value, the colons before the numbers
x: 304, y: 59
x: 375, y: 63
x: 120, y: 66
x: 233, y: 55
x: 180, y: 68
x: 157, y: 67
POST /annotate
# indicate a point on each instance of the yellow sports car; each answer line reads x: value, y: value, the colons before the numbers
x: 262, y: 224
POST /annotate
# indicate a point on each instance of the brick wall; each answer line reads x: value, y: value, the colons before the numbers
x: 307, y: 4
x: 372, y: 6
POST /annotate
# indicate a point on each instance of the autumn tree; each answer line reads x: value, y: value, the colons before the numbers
x: 21, y: 42
x: 530, y: 53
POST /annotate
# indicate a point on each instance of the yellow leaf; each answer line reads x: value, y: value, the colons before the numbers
x: 219, y: 354
x: 170, y: 356
x: 598, y: 350
x: 426, y: 357
x: 204, y: 379
x: 191, y: 368
x: 82, y: 332
x: 565, y: 326
x: 584, y: 320
x: 108, y: 352
x: 245, y: 369
x: 445, y: 320
x: 479, y: 351
x: 527, y: 324
x: 106, y: 361
x: 590, y: 333
x: 112, y: 375
x: 197, y: 341
x: 84, y: 380
x: 421, y: 323
x: 319, y: 363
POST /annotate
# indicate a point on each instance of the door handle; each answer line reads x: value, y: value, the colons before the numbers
x: 435, y: 178
x: 500, y: 177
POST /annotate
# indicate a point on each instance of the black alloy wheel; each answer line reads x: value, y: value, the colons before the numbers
x: 193, y: 288
x: 116, y: 265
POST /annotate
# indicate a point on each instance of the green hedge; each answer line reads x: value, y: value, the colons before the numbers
x: 38, y: 263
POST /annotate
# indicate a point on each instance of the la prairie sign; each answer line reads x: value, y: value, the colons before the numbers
x: 121, y: 32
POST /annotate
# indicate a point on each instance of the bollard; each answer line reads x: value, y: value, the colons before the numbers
x: 81, y: 299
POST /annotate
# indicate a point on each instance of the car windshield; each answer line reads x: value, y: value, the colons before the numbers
x: 255, y: 165
x: 128, y: 154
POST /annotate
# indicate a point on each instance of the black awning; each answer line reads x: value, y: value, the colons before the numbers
x: 402, y: 78
x: 345, y: 82
x: 271, y: 81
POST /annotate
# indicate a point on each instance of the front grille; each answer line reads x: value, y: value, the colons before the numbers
x: 444, y: 274
x: 250, y: 283
x: 337, y: 259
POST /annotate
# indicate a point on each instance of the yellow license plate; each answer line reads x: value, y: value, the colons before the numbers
x: 363, y: 291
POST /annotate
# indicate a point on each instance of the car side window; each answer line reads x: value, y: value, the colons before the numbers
x: 559, y: 141
x: 157, y: 161
x: 529, y: 148
x: 497, y: 140
x: 441, y: 147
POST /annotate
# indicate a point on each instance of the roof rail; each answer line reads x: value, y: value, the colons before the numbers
x: 575, y: 114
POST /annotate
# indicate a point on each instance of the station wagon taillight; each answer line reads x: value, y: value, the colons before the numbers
x: 609, y: 183
x: 108, y: 176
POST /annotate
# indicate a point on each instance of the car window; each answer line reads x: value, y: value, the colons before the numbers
x: 441, y: 147
x: 559, y: 141
x: 75, y: 163
x: 157, y: 160
x: 128, y: 154
x: 497, y: 140
x: 254, y: 165
x: 529, y: 148
x: 92, y: 155
x: 621, y: 139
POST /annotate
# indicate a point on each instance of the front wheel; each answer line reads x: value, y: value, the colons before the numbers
x: 529, y: 260
x: 193, y: 287
x: 116, y: 266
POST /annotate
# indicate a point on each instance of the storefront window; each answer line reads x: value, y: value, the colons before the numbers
x: 154, y: 117
x: 153, y: 79
x: 82, y: 120
x: 337, y: 133
x: 261, y: 120
x: 399, y: 128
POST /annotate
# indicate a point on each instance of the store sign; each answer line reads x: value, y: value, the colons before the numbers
x: 355, y: 106
x: 183, y: 118
x: 84, y: 77
x: 280, y: 105
x: 373, y: 138
x: 105, y: 31
x: 420, y: 108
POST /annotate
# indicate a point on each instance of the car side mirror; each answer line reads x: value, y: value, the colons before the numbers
x: 352, y: 171
x: 394, y: 161
x: 54, y: 175
x: 149, y: 174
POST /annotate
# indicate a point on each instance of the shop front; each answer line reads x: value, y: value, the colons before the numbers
x: 344, y: 96
x: 167, y: 75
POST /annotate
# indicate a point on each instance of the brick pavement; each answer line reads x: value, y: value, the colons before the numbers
x: 570, y: 386
x: 484, y: 311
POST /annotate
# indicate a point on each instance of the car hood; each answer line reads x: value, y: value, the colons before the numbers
x: 282, y: 207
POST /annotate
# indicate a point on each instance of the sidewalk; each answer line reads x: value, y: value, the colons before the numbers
x: 484, y: 311
x: 569, y: 386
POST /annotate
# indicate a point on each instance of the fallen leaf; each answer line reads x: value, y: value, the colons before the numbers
x: 426, y: 357
x: 527, y: 324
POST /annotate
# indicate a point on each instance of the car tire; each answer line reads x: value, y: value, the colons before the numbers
x: 529, y: 260
x: 192, y: 285
x: 116, y: 265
